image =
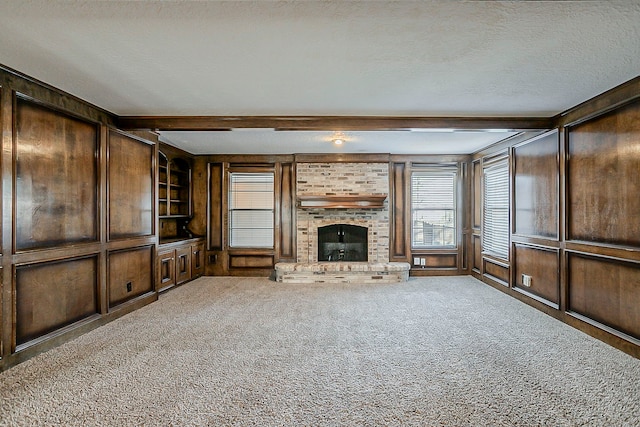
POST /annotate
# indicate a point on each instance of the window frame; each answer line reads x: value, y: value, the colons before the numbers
x: 449, y: 170
x: 230, y: 209
x: 501, y: 223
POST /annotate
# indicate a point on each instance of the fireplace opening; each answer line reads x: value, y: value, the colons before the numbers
x: 343, y: 242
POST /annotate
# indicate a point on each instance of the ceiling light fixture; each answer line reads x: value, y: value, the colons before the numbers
x: 338, y: 138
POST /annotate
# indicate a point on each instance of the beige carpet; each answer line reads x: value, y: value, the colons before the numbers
x: 250, y: 352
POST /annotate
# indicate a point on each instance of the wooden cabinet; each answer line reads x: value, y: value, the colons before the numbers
x: 174, y: 194
x: 166, y: 269
x: 197, y: 260
x: 183, y: 264
x: 180, y: 255
x: 174, y: 187
x: 178, y: 262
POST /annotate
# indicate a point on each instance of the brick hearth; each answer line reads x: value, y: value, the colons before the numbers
x: 343, y: 272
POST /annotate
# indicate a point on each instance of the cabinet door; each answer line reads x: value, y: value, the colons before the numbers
x: 183, y: 264
x: 166, y: 270
x: 197, y: 260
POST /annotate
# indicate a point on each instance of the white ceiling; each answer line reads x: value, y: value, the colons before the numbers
x: 259, y: 141
x: 400, y: 58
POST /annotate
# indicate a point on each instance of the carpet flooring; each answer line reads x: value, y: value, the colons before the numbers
x: 438, y: 351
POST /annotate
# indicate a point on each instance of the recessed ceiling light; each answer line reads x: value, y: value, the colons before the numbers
x: 338, y: 138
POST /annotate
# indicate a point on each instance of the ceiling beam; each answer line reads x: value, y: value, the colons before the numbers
x: 330, y: 123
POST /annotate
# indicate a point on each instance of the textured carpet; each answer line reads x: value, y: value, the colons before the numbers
x: 246, y: 351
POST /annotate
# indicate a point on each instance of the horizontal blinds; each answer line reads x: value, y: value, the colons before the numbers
x: 433, y: 190
x: 251, y: 210
x: 433, y: 208
x: 495, y: 230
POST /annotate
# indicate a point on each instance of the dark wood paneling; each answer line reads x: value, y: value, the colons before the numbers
x: 536, y: 189
x: 130, y: 274
x: 131, y: 186
x: 477, y: 194
x: 215, y: 206
x: 342, y: 158
x: 197, y: 260
x: 166, y: 269
x: 55, y: 178
x: 56, y: 98
x: 198, y: 224
x: 287, y: 200
x: 331, y: 123
x: 400, y: 239
x: 52, y: 295
x: 435, y: 261
x: 183, y: 264
x: 601, y: 103
x: 496, y: 271
x: 477, y: 252
x: 603, y: 180
x: 543, y: 265
x: 250, y: 261
x: 606, y: 291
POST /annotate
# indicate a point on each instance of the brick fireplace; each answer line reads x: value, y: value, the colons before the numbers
x: 342, y: 195
x: 347, y: 179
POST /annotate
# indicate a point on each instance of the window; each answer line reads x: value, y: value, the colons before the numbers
x: 495, y: 228
x: 251, y: 215
x: 433, y: 208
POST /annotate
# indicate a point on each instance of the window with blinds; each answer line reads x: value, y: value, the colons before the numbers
x: 433, y: 208
x: 251, y: 210
x: 495, y: 228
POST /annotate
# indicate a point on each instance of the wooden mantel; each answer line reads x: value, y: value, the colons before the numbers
x: 330, y: 201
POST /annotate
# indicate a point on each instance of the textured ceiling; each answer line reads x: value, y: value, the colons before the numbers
x: 259, y: 141
x: 427, y: 58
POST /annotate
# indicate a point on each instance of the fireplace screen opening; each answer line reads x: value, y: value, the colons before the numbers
x: 342, y: 242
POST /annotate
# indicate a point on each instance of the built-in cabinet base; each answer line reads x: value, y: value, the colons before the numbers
x: 179, y: 261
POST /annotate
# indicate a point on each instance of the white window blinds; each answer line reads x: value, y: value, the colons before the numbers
x: 433, y: 208
x: 251, y: 210
x: 495, y: 229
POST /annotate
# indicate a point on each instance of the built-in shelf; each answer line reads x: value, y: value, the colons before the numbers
x: 366, y: 201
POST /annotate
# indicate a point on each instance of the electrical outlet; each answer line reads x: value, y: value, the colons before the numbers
x: 129, y: 287
x: 526, y: 280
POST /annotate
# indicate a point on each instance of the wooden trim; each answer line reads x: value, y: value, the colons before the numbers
x: 57, y: 98
x: 366, y: 201
x: 417, y: 160
x: 246, y: 159
x: 329, y: 123
x: 342, y: 158
x: 507, y: 143
x: 600, y: 104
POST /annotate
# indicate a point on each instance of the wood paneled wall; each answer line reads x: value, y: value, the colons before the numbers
x: 78, y: 218
x: 220, y: 259
x: 602, y: 223
x: 437, y: 261
x: 575, y: 216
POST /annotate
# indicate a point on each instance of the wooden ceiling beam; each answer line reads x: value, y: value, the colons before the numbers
x: 330, y: 123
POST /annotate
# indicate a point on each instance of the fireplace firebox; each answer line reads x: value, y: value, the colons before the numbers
x: 343, y: 242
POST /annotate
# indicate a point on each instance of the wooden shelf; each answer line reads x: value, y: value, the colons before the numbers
x: 366, y: 201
